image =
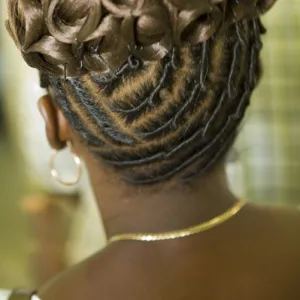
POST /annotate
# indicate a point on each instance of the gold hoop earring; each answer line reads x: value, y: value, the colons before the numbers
x: 54, y: 172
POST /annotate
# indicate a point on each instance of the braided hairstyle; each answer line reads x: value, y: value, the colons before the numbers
x: 155, y: 88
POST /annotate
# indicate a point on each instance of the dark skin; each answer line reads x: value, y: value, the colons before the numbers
x: 254, y: 255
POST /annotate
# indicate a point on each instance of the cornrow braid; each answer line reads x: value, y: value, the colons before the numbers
x: 176, y: 117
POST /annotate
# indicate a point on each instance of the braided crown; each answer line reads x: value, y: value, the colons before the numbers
x: 79, y: 36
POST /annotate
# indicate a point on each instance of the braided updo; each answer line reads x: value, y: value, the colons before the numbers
x: 156, y: 88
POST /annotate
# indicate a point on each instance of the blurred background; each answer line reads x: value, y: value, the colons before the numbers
x: 43, y: 227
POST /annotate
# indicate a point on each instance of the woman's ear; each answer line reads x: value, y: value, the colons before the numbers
x: 57, y: 127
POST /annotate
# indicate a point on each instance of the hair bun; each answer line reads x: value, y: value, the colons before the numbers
x: 77, y: 36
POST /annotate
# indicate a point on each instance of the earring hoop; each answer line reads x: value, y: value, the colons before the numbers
x: 54, y: 172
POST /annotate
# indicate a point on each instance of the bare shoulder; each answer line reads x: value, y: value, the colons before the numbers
x: 275, y: 223
x: 105, y: 275
x: 277, y: 230
x: 85, y: 280
x: 283, y: 218
x: 268, y: 248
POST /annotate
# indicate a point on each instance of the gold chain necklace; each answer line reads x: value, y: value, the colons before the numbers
x: 151, y: 237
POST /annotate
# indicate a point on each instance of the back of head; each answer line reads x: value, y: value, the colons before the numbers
x: 155, y: 88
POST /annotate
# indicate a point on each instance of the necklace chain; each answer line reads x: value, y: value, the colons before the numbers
x: 151, y: 237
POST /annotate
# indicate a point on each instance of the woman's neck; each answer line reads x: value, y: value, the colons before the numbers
x: 133, y: 209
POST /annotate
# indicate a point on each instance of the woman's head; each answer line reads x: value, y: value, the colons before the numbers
x: 154, y: 88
